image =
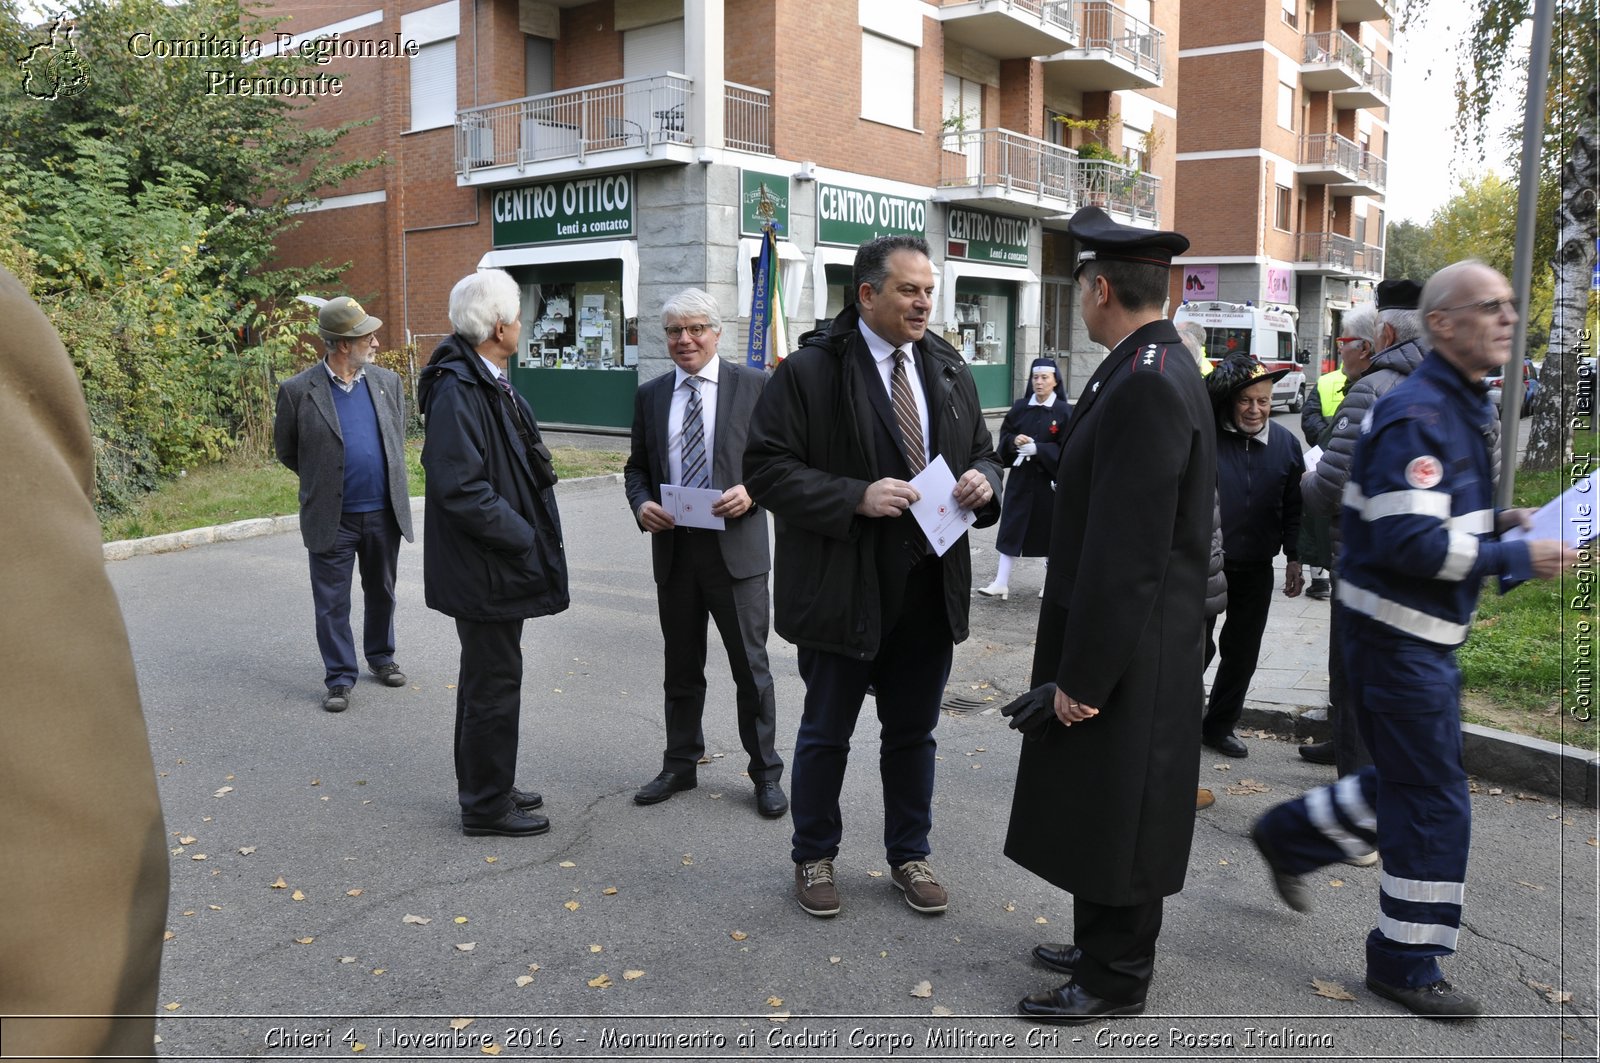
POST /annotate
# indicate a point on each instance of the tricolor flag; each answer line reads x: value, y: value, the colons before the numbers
x: 769, y: 333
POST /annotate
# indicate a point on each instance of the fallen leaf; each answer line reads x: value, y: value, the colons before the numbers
x: 304, y: 941
x: 1495, y: 791
x: 922, y: 989
x: 189, y: 912
x: 778, y: 1016
x: 460, y: 919
x: 176, y: 850
x: 874, y: 874
x: 610, y: 891
x: 597, y: 948
x: 1336, y: 882
x: 1010, y: 906
x: 491, y: 859
x: 359, y: 1046
x: 490, y: 1049
x: 628, y: 976
x: 168, y: 936
x: 774, y: 1002
x: 1041, y: 920
x: 280, y: 884
x: 297, y: 896
x: 418, y: 920
x: 533, y: 967
x: 247, y: 850
x: 524, y: 980
x: 461, y: 1024
x: 215, y: 907
x: 1595, y: 842
x: 1222, y: 863
x: 224, y: 790
x: 738, y: 935
x: 941, y: 1010
x: 572, y: 906
x: 1530, y: 885
x: 1331, y: 990
x: 198, y: 856
x: 229, y: 778
x: 353, y: 893
x: 566, y: 863
x: 316, y: 782
x: 188, y: 839
x: 601, y: 982
x: 378, y: 970
x: 1551, y: 993
x: 688, y: 860
x: 833, y: 959
x: 347, y: 959
x: 883, y: 955
x: 174, y: 1006
x: 466, y: 946
x: 1222, y: 767
x: 1247, y: 786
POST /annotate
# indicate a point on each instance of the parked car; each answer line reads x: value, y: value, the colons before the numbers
x: 1530, y: 385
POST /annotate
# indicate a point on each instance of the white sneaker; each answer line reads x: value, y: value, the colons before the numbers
x: 996, y: 590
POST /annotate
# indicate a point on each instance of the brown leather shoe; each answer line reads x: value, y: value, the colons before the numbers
x: 915, y: 879
x: 1204, y: 798
x: 813, y: 885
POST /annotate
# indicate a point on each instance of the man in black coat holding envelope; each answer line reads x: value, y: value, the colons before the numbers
x: 1105, y: 797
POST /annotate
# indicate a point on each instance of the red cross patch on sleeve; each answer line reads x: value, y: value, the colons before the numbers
x: 1424, y: 472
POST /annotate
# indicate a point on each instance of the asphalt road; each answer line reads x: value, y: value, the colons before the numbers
x: 355, y: 815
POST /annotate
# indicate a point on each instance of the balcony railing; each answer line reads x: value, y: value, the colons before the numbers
x: 1022, y: 166
x: 1335, y: 48
x: 1340, y: 254
x: 632, y: 113
x: 747, y: 118
x: 1115, y: 187
x: 1378, y: 77
x: 1101, y: 24
x: 1333, y: 152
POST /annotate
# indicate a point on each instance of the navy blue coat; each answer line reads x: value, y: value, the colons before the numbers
x: 1029, y: 497
x: 491, y: 544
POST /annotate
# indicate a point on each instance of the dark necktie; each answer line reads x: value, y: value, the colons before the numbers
x: 695, y: 471
x: 905, y: 413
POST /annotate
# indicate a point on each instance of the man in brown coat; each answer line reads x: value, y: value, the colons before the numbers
x: 86, y: 885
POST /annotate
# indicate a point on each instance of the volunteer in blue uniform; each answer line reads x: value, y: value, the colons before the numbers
x: 1420, y: 535
x: 1105, y: 797
x: 1030, y: 446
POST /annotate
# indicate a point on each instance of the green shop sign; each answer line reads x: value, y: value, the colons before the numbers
x: 850, y: 216
x: 763, y: 197
x: 587, y: 208
x: 993, y: 238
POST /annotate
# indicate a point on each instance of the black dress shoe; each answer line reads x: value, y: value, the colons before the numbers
x: 1317, y: 752
x: 1072, y: 1004
x: 513, y: 823
x: 1292, y: 889
x: 664, y: 786
x: 1438, y: 1000
x: 770, y: 799
x: 1063, y: 958
x: 1228, y: 745
x: 526, y: 799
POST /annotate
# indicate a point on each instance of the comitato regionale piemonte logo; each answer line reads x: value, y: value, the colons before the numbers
x: 54, y: 68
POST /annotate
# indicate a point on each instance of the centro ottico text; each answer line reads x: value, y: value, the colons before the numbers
x: 319, y: 50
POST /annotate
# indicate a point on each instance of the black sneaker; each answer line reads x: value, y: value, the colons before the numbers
x: 337, y: 699
x: 1320, y: 589
x: 1438, y: 1000
x: 390, y: 674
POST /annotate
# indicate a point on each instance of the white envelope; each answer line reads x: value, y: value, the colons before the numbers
x: 691, y: 506
x: 941, y: 519
x: 1570, y: 518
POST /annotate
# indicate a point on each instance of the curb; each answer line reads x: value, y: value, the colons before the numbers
x: 123, y: 549
x: 1567, y: 773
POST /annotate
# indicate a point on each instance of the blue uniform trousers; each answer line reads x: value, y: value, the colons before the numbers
x: 1411, y: 803
x: 370, y: 541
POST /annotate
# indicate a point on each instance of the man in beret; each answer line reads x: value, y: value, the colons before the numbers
x: 1104, y: 803
x: 341, y: 426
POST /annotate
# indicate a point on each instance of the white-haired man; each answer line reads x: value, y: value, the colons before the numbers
x: 1420, y: 535
x: 492, y: 553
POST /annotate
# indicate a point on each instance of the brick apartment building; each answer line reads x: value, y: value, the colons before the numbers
x: 1281, y: 154
x: 611, y: 152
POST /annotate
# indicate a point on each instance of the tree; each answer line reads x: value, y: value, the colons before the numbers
x: 1407, y: 252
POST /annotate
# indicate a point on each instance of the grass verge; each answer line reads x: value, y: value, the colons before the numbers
x: 1521, y: 663
x: 240, y: 488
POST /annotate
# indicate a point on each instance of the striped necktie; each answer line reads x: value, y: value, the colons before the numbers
x: 696, y: 473
x: 905, y: 413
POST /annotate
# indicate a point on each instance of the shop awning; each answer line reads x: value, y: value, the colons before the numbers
x: 1027, y: 298
x: 547, y: 254
x: 794, y: 273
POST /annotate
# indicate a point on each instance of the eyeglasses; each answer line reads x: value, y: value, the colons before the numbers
x: 696, y: 330
x: 1488, y: 307
x: 1342, y: 340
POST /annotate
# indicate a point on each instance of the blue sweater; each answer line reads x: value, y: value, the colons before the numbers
x: 366, y: 480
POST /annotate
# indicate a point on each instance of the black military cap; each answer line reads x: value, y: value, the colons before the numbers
x: 1399, y: 294
x: 1100, y: 239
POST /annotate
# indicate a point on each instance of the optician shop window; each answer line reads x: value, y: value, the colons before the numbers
x: 578, y: 356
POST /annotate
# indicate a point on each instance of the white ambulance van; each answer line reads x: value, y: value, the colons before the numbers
x: 1267, y: 332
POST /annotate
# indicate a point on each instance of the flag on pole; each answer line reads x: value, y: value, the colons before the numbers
x: 768, y: 341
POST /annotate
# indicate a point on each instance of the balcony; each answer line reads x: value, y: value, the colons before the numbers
x: 1332, y: 62
x: 1332, y: 255
x: 1364, y: 10
x: 1122, y: 191
x: 1112, y: 50
x: 1340, y: 163
x: 747, y: 119
x: 1376, y: 84
x: 1009, y: 29
x: 1007, y: 172
x: 631, y: 123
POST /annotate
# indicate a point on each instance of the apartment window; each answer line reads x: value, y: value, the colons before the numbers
x: 963, y: 103
x: 1286, y: 105
x: 1361, y: 229
x: 1055, y: 130
x: 1135, y: 143
x: 1291, y: 15
x: 888, y: 81
x: 1283, y: 215
x: 433, y: 85
x: 654, y: 49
